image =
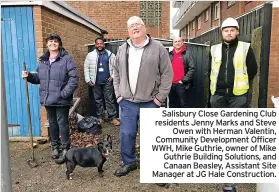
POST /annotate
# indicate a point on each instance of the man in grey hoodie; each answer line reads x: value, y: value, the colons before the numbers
x: 142, y: 79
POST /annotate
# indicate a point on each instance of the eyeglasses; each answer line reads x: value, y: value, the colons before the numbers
x: 137, y: 25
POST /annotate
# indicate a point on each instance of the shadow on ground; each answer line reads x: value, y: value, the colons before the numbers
x: 50, y: 177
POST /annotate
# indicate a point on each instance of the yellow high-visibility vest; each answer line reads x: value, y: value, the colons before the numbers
x: 241, y: 81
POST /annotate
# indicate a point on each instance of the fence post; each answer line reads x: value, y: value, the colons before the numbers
x: 6, y: 184
x: 263, y: 85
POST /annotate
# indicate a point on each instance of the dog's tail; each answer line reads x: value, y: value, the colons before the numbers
x: 60, y: 160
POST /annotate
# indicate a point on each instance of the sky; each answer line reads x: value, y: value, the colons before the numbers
x: 172, y: 13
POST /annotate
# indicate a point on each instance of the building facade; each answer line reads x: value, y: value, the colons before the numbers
x: 113, y: 16
x: 196, y: 18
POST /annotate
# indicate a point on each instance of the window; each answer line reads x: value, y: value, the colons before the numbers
x: 230, y: 3
x: 193, y: 25
x: 217, y: 11
x: 199, y: 23
x: 206, y: 16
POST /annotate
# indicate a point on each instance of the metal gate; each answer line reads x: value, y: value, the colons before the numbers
x: 18, y: 46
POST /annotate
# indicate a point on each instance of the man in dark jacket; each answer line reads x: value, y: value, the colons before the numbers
x: 58, y: 78
x: 232, y: 66
x: 183, y: 70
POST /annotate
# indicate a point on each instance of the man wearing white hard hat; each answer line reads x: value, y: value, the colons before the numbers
x: 233, y: 65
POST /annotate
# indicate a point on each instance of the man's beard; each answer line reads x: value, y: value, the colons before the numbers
x: 100, y: 49
x: 229, y: 41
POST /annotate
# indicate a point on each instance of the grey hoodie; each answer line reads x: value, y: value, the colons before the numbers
x: 155, y: 74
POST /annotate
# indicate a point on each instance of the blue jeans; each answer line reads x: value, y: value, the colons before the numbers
x: 130, y: 114
x: 59, y: 122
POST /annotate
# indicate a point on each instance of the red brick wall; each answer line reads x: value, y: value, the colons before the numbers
x: 215, y: 22
x: 251, y: 5
x: 193, y: 32
x: 232, y: 11
x: 113, y: 16
x: 238, y: 8
x: 273, y: 78
x: 74, y: 36
x: 205, y: 25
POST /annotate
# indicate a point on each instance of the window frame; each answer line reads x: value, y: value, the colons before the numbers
x: 199, y: 22
x: 216, y: 15
x: 230, y: 4
x: 206, y: 15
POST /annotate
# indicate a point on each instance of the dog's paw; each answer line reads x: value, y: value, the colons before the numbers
x: 101, y: 175
x: 71, y: 176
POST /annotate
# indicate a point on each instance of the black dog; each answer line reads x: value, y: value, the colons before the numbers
x: 87, y: 157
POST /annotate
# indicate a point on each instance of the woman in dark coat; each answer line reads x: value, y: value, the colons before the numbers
x: 58, y: 78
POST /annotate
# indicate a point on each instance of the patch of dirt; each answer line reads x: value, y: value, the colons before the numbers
x: 50, y: 177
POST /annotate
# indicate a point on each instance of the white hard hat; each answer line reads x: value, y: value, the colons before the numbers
x: 229, y: 22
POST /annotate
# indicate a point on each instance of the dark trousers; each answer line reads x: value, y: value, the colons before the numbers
x: 178, y: 96
x: 105, y: 91
x: 58, y: 118
x: 130, y: 114
x: 220, y: 101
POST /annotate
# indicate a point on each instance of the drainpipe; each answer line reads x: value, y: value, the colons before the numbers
x: 6, y: 184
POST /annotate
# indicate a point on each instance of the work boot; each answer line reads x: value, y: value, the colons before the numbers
x: 115, y: 122
x: 125, y: 169
x: 166, y: 185
x: 61, y: 159
x: 54, y: 153
x: 161, y: 184
x: 229, y: 189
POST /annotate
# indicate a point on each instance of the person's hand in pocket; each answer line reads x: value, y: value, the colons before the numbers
x: 158, y: 103
x: 119, y: 99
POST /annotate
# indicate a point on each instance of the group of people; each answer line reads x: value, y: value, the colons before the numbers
x: 141, y: 75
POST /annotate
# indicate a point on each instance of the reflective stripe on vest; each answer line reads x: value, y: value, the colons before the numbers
x: 241, y: 82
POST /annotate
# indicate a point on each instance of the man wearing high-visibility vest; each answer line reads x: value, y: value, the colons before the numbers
x: 233, y: 65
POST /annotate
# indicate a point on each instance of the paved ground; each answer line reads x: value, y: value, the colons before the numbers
x: 50, y: 177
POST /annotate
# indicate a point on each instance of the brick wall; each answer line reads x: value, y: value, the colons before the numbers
x: 230, y: 11
x: 193, y: 31
x: 273, y: 78
x: 74, y: 36
x: 204, y: 24
x: 215, y: 22
x: 113, y: 16
x: 251, y: 5
x: 238, y: 8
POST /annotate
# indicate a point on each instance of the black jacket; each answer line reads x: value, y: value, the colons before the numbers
x: 189, y: 67
x: 225, y: 80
